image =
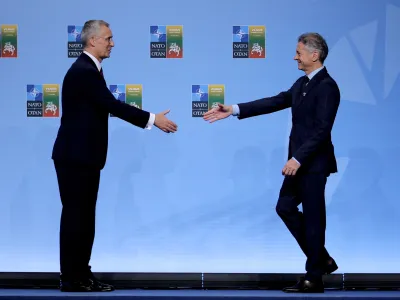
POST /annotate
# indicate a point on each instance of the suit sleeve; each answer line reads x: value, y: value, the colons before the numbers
x: 326, y: 110
x: 105, y: 99
x: 266, y: 105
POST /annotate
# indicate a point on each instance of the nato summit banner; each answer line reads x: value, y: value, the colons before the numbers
x: 166, y: 41
x: 43, y: 100
x: 249, y: 41
x: 206, y: 97
x: 9, y: 41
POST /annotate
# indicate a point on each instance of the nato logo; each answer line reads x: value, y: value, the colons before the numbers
x: 118, y: 90
x: 240, y: 41
x: 158, y: 41
x: 34, y: 92
x: 200, y: 92
x: 75, y: 46
x: 199, y: 99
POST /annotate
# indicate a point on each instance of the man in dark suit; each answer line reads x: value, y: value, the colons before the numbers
x: 80, y: 152
x: 314, y: 100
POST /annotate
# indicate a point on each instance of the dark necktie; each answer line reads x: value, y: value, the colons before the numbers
x: 305, y: 82
x: 101, y: 72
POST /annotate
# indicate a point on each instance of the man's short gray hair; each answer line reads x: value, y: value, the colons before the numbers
x: 315, y: 42
x: 90, y: 29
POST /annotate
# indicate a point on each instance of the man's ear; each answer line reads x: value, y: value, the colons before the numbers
x: 315, y: 56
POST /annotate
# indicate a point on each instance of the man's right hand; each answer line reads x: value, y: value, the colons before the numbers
x: 164, y: 124
x: 218, y: 113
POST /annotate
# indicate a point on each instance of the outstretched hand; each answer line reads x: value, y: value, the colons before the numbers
x: 218, y: 113
x: 163, y: 123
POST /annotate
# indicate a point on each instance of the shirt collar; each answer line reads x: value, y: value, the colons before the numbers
x: 98, y: 65
x: 313, y: 73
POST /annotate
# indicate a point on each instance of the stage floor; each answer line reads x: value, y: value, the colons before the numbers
x: 39, y: 294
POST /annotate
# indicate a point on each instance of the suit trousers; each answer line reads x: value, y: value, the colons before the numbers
x: 308, y: 227
x: 78, y: 187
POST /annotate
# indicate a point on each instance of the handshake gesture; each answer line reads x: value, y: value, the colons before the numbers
x: 215, y: 114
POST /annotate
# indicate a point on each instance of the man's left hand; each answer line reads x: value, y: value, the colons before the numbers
x: 290, y: 168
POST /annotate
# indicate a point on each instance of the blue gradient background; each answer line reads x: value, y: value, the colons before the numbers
x: 203, y: 200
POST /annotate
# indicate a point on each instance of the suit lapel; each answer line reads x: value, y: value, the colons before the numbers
x: 303, y: 91
x: 88, y: 60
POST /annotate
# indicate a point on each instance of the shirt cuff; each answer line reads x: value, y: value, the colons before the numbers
x: 297, y: 161
x: 235, y: 110
x: 150, y: 123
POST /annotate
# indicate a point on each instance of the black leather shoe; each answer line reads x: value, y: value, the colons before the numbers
x: 101, y: 286
x: 331, y: 266
x: 298, y: 285
x: 306, y: 286
x: 98, y: 285
x: 75, y: 286
x: 89, y: 285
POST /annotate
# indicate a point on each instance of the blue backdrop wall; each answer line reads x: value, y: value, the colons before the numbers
x: 203, y: 199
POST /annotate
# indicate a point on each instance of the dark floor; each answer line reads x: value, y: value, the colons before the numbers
x: 38, y: 294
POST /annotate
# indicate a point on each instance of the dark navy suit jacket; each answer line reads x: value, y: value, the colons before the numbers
x: 86, y: 104
x: 314, y: 108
